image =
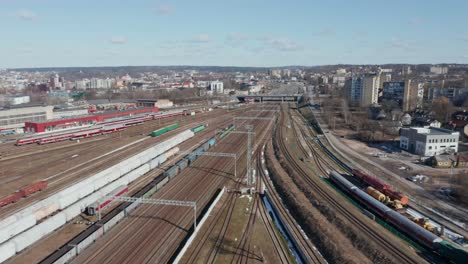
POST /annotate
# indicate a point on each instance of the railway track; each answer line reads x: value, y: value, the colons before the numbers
x: 379, y: 239
x: 308, y: 249
x: 68, y: 175
x: 226, y: 218
x: 142, y: 228
x: 203, y: 136
x: 324, y: 162
x: 162, y: 235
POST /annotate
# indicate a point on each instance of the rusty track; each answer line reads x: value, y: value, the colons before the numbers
x: 379, y: 239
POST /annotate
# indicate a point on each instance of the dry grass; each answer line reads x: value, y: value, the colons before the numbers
x: 334, y: 246
x: 358, y: 242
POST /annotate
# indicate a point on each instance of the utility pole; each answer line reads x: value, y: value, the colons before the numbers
x: 249, y: 154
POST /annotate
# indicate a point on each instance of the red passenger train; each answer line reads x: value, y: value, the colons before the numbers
x: 98, y: 129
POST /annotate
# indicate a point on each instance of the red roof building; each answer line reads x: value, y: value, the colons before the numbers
x: 37, y: 127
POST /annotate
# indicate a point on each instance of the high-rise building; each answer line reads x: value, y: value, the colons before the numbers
x: 216, y: 87
x: 55, y: 82
x: 324, y: 79
x: 354, y: 88
x: 370, y: 90
x: 108, y: 83
x: 408, y: 94
x: 393, y: 91
x: 384, y: 77
x: 451, y: 93
x: 96, y: 83
x: 275, y: 73
x: 407, y: 70
x: 82, y: 84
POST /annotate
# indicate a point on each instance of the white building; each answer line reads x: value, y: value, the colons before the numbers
x: 15, y: 99
x: 341, y: 71
x: 216, y: 87
x: 439, y: 70
x: 429, y: 141
x: 82, y: 84
x: 203, y: 84
x: 14, y: 118
x: 339, y: 80
x: 96, y: 83
x: 108, y: 83
x: 68, y: 113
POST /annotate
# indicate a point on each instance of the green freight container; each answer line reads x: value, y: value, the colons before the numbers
x: 164, y: 130
x: 226, y: 132
x: 198, y: 128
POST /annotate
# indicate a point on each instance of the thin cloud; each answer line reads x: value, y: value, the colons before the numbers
x: 25, y: 51
x: 416, y: 21
x: 328, y: 32
x: 165, y: 9
x: 118, y: 40
x: 397, y: 43
x: 281, y: 44
x: 236, y: 37
x: 202, y: 38
x: 25, y: 15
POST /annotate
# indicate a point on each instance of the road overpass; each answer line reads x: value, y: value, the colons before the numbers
x: 272, y: 98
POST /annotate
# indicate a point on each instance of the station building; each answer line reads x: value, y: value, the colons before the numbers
x: 159, y: 103
x: 57, y: 124
x: 15, y: 117
x: 429, y: 141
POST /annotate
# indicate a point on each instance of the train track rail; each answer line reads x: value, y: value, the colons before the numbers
x: 66, y: 171
x: 243, y: 250
x: 379, y: 239
x: 164, y: 239
x: 308, y: 249
x: 318, y: 151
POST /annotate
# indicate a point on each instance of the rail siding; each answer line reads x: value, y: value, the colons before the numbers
x: 199, y: 225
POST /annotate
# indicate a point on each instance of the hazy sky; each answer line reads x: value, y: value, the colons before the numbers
x: 43, y: 33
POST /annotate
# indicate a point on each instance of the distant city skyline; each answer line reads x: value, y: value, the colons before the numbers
x: 52, y: 33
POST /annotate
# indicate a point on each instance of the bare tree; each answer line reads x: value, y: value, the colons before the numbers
x: 345, y: 110
x: 442, y: 107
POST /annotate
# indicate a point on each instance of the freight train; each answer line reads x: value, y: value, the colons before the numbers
x: 403, y: 224
x: 380, y: 186
x: 227, y: 131
x: 23, y: 192
x: 198, y: 128
x: 164, y: 130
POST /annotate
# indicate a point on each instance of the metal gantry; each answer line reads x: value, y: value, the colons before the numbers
x: 153, y: 202
x: 249, y: 146
x: 253, y: 118
x: 266, y: 110
x: 214, y: 154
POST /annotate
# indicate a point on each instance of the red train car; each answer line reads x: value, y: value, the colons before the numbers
x: 366, y: 178
x: 11, y: 198
x: 95, y: 207
x: 28, y: 190
x: 394, y: 195
x: 382, y: 187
